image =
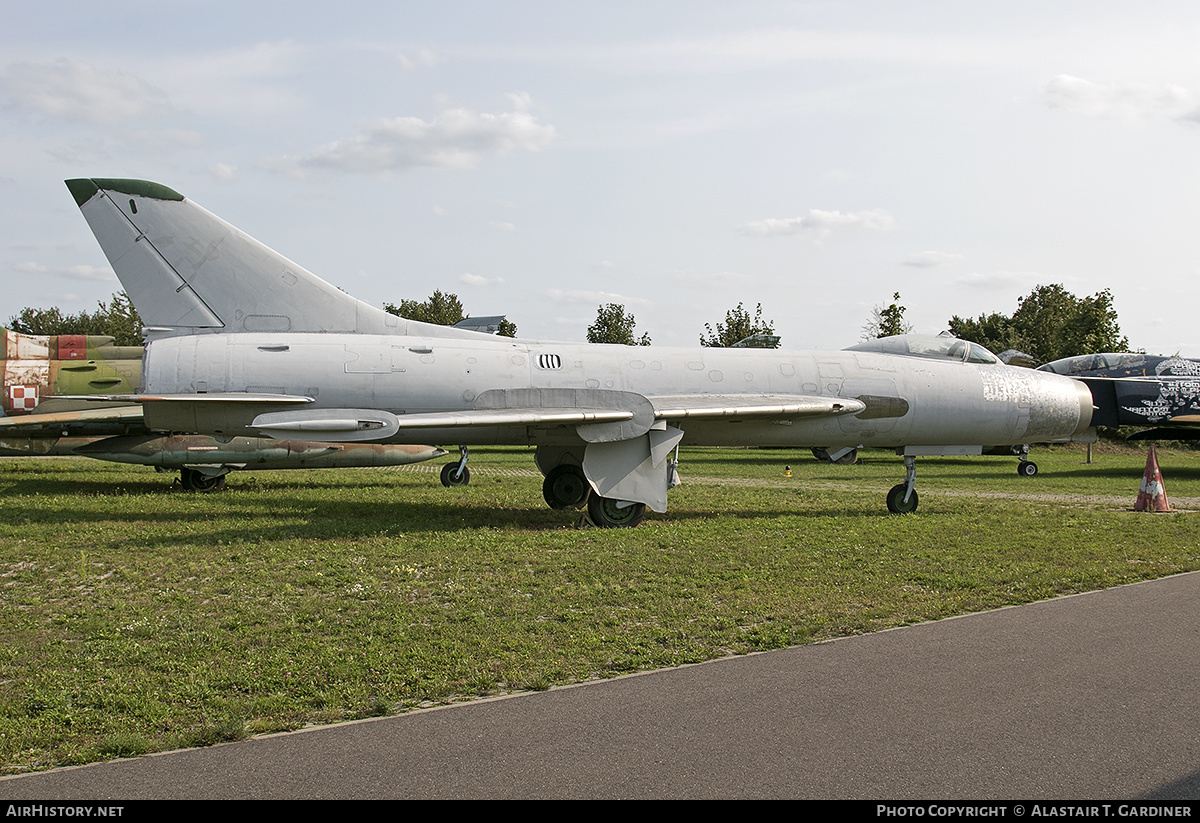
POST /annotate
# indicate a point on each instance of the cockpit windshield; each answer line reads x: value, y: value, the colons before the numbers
x: 1085, y: 363
x: 941, y: 347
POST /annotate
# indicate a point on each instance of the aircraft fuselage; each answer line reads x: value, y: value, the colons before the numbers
x: 909, y: 401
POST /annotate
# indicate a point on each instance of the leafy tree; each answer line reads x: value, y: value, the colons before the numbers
x: 613, y: 325
x: 441, y: 310
x: 993, y: 331
x: 117, y: 318
x: 1049, y: 323
x: 738, y: 326
x: 886, y: 320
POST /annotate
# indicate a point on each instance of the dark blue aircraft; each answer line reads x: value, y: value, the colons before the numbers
x: 1140, y: 390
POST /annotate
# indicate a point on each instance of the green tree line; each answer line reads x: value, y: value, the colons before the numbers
x: 1048, y: 323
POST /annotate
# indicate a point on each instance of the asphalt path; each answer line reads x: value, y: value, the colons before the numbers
x: 1086, y: 697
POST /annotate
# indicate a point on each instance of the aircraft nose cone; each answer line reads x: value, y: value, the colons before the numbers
x: 1084, y: 398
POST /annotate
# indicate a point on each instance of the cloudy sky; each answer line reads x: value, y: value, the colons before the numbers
x: 541, y: 158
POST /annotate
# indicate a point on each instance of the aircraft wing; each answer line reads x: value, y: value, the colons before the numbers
x: 1185, y: 420
x: 325, y: 423
x: 624, y: 416
x: 600, y: 416
x: 128, y: 416
x: 112, y: 420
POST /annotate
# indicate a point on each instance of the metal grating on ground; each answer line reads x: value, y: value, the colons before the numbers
x: 436, y: 468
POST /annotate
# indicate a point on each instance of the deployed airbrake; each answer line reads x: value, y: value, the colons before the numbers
x: 245, y: 342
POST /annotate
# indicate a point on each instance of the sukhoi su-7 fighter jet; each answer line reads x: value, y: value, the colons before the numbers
x: 244, y: 342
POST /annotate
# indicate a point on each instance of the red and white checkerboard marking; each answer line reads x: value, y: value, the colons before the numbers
x: 22, y: 398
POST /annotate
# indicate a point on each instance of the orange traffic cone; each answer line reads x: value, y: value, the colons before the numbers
x: 1153, y: 495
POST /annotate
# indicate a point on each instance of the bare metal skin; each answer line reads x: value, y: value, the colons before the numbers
x: 42, y: 414
x: 245, y: 342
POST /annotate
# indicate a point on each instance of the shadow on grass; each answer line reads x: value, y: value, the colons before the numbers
x: 308, y: 519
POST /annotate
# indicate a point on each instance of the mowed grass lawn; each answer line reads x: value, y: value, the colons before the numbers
x: 137, y: 617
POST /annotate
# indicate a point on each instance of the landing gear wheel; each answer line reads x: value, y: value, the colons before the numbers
x: 843, y: 456
x: 1027, y: 468
x: 565, y: 487
x: 896, y: 503
x: 198, y: 481
x: 607, y: 513
x: 451, y: 476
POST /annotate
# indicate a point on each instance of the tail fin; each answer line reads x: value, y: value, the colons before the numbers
x: 187, y: 270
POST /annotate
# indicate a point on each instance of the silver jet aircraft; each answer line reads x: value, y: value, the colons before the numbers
x: 244, y: 342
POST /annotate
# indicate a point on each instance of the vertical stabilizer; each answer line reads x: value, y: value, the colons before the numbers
x: 186, y: 269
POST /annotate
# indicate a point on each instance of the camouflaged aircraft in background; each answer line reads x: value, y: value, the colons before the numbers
x: 41, y: 414
x: 1133, y: 389
x: 244, y: 342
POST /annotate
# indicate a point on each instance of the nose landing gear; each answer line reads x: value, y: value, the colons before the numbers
x: 457, y: 474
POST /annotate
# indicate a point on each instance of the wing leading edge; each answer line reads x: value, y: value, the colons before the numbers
x: 633, y: 416
x: 600, y: 416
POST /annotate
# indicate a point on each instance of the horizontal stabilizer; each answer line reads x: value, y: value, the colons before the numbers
x: 1185, y: 433
x: 219, y: 412
x: 111, y: 420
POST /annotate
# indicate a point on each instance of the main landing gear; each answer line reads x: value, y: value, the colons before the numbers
x: 614, y: 514
x: 565, y: 487
x: 194, y: 480
x: 457, y: 474
x: 846, y: 456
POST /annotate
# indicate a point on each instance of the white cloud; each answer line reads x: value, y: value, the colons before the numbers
x: 739, y: 50
x: 1000, y: 279
x: 438, y: 211
x: 594, y: 297
x: 166, y: 138
x: 456, y: 139
x: 222, y: 171
x: 501, y: 226
x: 479, y: 280
x: 714, y: 281
x: 79, y: 92
x: 255, y: 80
x: 929, y: 259
x: 421, y: 58
x: 71, y: 272
x: 1120, y: 101
x: 821, y: 222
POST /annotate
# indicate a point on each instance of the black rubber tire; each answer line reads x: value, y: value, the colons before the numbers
x: 452, y: 477
x: 896, y: 503
x: 197, y: 481
x: 565, y: 487
x: 604, y: 513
